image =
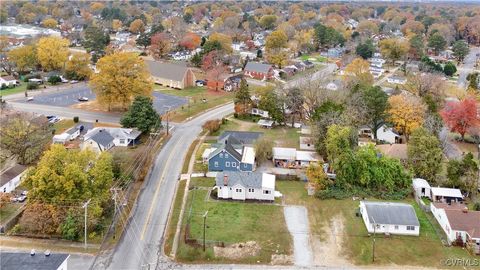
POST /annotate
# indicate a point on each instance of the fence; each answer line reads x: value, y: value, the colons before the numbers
x: 421, y: 204
x: 12, y: 221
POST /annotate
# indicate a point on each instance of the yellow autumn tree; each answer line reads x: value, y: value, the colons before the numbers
x: 358, y: 73
x: 275, y: 47
x: 52, y: 52
x: 116, y: 24
x: 394, y: 48
x: 49, y: 23
x: 407, y: 112
x: 77, y: 66
x: 137, y: 26
x: 224, y: 40
x: 121, y: 77
x: 24, y: 57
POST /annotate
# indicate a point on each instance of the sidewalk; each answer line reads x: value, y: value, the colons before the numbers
x: 15, y: 242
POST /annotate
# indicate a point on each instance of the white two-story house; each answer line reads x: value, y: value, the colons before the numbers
x: 246, y: 186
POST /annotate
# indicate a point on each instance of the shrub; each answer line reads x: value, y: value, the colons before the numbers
x: 212, y: 125
x: 4, y: 86
x: 54, y: 79
x: 75, y: 119
x: 32, y: 85
x: 235, y: 115
x: 476, y: 206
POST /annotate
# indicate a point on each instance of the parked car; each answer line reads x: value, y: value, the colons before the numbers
x: 200, y: 83
x: 53, y: 120
x: 82, y: 99
x: 63, y: 79
x: 21, y: 198
x: 73, y: 81
x: 30, y: 98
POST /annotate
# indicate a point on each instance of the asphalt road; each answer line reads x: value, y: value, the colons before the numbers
x: 142, y: 240
x: 68, y: 97
x: 467, y: 67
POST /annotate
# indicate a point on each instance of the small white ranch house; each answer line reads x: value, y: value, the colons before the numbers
x: 390, y: 218
x: 246, y: 186
x: 11, y: 178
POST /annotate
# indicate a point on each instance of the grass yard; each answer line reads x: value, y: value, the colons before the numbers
x: 8, y: 210
x: 18, y: 89
x: 317, y: 58
x: 233, y: 222
x: 172, y: 227
x: 195, y: 104
x: 186, y: 162
x: 306, y: 72
x: 202, y: 182
x: 424, y: 250
x: 198, y: 166
x: 63, y: 125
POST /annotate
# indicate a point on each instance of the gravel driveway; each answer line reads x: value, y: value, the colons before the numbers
x: 297, y: 222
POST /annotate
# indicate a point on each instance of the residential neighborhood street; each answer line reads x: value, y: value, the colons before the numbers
x: 141, y: 242
x: 468, y: 66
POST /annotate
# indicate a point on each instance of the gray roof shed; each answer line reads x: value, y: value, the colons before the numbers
x: 391, y: 213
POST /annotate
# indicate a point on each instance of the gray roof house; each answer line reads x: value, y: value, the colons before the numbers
x: 238, y: 185
x: 258, y: 71
x: 171, y: 75
x: 32, y: 261
x: 11, y: 178
x: 103, y: 138
x: 244, y: 137
x: 390, y: 218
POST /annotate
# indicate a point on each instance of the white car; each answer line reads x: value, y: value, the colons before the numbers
x: 73, y: 81
x: 30, y: 98
x: 81, y: 99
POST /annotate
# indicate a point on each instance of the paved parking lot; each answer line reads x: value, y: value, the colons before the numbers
x: 69, y: 97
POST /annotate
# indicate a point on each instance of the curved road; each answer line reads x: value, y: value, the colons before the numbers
x: 140, y: 246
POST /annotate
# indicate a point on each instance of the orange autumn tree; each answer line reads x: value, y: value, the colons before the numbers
x: 460, y: 116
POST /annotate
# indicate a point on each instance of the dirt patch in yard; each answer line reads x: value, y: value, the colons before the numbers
x: 329, y: 252
x: 238, y: 251
x: 281, y: 259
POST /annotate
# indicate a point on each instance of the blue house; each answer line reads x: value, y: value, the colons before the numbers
x: 231, y: 155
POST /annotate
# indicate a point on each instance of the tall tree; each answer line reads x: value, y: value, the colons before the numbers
x: 243, y: 96
x: 271, y: 103
x: 406, y: 112
x: 294, y: 102
x: 339, y: 140
x: 24, y: 57
x: 460, y: 50
x: 141, y: 115
x: 366, y: 49
x: 144, y: 39
x: 24, y: 136
x: 424, y: 154
x: 160, y: 45
x: 95, y: 41
x: 357, y: 73
x: 137, y: 26
x: 417, y: 46
x: 121, y: 77
x: 394, y: 48
x: 376, y: 103
x: 275, y: 47
x: 77, y: 67
x: 52, y: 53
x: 326, y: 36
x: 268, y: 21
x: 460, y: 116
x: 437, y: 42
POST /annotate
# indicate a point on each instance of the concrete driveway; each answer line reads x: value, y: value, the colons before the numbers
x: 297, y: 222
x: 69, y: 97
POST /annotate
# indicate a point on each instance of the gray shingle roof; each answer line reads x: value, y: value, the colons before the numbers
x: 23, y: 261
x: 168, y: 71
x: 11, y: 173
x: 246, y: 179
x: 257, y: 67
x: 244, y: 137
x: 102, y: 137
x: 391, y: 213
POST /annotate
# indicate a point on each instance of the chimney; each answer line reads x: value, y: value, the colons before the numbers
x: 32, y: 252
x: 225, y: 180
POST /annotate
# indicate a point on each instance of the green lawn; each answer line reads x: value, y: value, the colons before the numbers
x: 177, y: 205
x: 198, y: 165
x: 233, y: 222
x: 63, y: 125
x: 19, y: 89
x: 202, y: 182
x: 318, y: 58
x: 195, y: 97
x: 7, y: 211
x: 425, y: 250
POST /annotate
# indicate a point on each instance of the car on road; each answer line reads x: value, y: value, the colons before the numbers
x: 53, y: 119
x: 73, y: 81
x: 30, y: 98
x: 82, y: 99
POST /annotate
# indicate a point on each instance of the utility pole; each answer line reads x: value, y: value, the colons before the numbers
x: 204, y: 228
x: 115, y: 193
x: 85, y: 206
x: 167, y: 112
x: 374, y: 234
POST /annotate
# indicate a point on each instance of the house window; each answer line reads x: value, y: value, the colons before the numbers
x: 238, y: 190
x: 221, y: 155
x: 226, y: 155
x: 396, y: 227
x: 122, y: 141
x: 245, y: 165
x: 410, y: 228
x: 216, y: 163
x: 219, y: 187
x: 234, y: 164
x: 251, y: 190
x: 227, y: 164
x: 266, y: 192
